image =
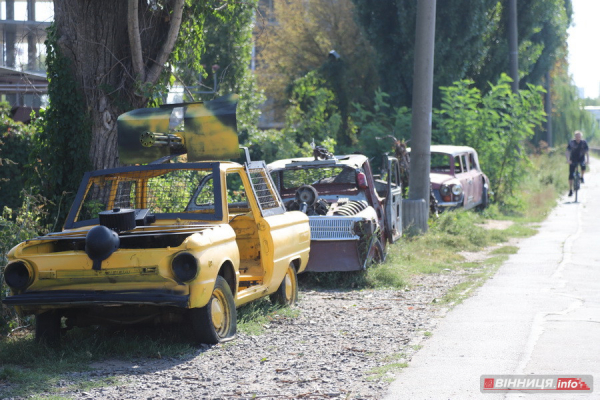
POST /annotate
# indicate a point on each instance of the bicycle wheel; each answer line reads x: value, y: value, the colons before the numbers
x: 576, y: 183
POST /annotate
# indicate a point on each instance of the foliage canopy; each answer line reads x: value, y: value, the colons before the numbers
x: 496, y: 125
x: 476, y: 50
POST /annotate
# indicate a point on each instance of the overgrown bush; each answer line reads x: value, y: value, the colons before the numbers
x: 311, y: 116
x: 60, y: 155
x: 497, y: 125
x: 15, y: 227
x: 15, y: 147
x: 377, y: 124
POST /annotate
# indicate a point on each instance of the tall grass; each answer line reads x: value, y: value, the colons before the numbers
x: 547, y: 180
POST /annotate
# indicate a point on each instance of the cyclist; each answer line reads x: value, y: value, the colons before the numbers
x: 577, y: 154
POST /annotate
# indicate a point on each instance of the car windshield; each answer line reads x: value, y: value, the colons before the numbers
x: 440, y: 162
x: 289, y: 179
x: 160, y: 190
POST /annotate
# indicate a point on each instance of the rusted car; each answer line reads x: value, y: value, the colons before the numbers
x: 168, y: 241
x: 353, y: 214
x: 456, y: 178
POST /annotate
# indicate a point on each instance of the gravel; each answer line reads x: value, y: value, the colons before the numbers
x: 344, y: 344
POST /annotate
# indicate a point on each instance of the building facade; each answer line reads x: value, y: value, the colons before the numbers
x: 23, y: 25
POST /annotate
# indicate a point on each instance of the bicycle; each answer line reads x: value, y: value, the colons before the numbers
x: 576, y: 180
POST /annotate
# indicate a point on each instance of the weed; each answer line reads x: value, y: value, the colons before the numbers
x: 505, y: 250
x: 394, y: 357
x: 386, y: 373
x: 253, y: 317
x: 338, y: 280
x: 462, y: 290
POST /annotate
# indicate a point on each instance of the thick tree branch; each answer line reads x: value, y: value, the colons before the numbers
x: 134, y: 39
x: 222, y: 7
x: 167, y: 48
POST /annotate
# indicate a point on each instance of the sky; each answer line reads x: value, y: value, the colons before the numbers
x: 584, y: 57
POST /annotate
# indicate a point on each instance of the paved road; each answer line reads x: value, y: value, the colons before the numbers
x: 540, y: 314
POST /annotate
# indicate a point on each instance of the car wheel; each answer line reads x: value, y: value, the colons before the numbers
x: 287, y: 293
x: 376, y: 254
x: 434, y: 208
x: 47, y: 328
x: 217, y: 321
x: 485, y: 200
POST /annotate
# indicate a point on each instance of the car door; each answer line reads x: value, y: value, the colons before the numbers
x: 274, y: 233
x: 461, y: 172
x: 470, y: 180
x: 393, y: 202
x: 477, y: 178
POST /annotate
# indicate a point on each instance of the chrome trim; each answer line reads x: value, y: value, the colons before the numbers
x: 333, y: 228
x: 450, y: 204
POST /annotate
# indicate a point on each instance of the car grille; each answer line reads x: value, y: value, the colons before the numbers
x: 326, y: 228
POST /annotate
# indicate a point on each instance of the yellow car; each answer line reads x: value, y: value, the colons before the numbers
x: 162, y: 243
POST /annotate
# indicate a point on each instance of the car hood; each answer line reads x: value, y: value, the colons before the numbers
x: 439, y: 179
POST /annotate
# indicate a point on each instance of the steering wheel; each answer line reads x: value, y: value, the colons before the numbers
x: 307, y: 194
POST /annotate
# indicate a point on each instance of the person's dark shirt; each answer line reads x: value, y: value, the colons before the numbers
x: 578, y: 150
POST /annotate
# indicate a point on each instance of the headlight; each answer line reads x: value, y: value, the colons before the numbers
x: 185, y: 267
x: 444, y: 190
x: 457, y: 190
x: 18, y: 275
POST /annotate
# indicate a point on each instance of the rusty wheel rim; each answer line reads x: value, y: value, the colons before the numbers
x: 219, y: 313
x: 290, y: 285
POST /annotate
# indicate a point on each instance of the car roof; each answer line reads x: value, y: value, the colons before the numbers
x: 350, y: 160
x: 449, y: 149
x: 454, y: 150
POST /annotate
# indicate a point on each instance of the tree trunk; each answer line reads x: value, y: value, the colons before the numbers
x: 94, y: 36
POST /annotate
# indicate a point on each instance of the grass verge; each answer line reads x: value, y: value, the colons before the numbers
x: 464, y: 289
x: 254, y: 318
x: 28, y: 368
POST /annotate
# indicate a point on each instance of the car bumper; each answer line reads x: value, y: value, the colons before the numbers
x: 450, y: 204
x: 77, y: 298
x: 328, y: 256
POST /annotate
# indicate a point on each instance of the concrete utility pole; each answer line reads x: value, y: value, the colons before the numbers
x: 513, y: 45
x: 548, y: 109
x: 420, y: 155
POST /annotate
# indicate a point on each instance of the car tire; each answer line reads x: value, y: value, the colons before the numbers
x: 47, y: 328
x: 287, y: 292
x: 376, y: 254
x: 217, y: 321
x: 485, y: 200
